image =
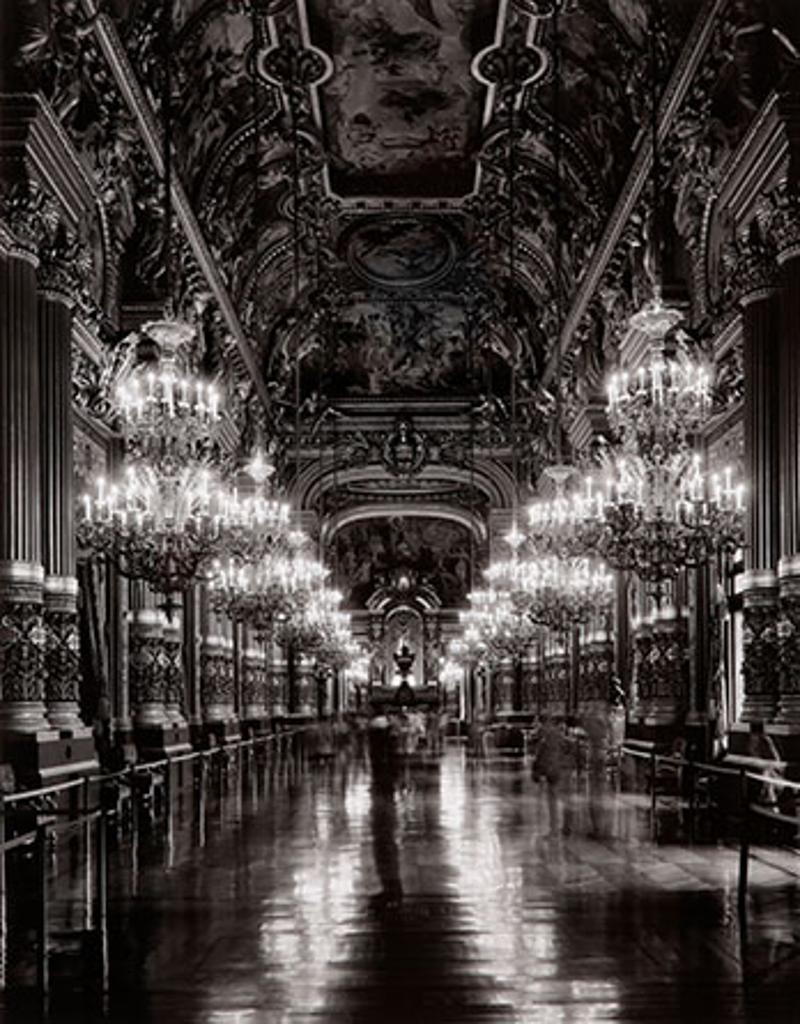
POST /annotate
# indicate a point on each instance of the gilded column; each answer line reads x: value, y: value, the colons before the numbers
x: 21, y: 572
x: 57, y: 282
x: 669, y: 674
x: 642, y: 674
x: 147, y: 665
x: 755, y: 278
x: 174, y: 675
x: 786, y: 236
x: 278, y: 674
x: 215, y: 693
x: 254, y: 680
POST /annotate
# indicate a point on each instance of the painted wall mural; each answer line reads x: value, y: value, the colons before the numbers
x: 401, y: 111
x: 395, y: 550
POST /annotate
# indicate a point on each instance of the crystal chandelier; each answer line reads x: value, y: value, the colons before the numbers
x: 659, y: 513
x: 667, y: 400
x: 256, y: 522
x: 254, y: 594
x: 165, y: 520
x: 503, y: 629
x: 169, y: 418
x: 268, y: 593
x: 569, y: 593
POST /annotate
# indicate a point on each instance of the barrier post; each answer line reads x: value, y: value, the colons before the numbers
x: 3, y: 894
x: 42, y: 962
x: 744, y: 840
x: 101, y: 839
x: 653, y: 794
x: 87, y: 847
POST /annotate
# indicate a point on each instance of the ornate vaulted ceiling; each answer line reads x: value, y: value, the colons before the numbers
x: 387, y: 120
x: 349, y: 167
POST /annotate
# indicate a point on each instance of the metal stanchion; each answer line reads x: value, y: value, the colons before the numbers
x: 101, y: 917
x: 42, y: 961
x: 744, y: 841
x: 3, y: 895
x: 87, y: 847
x: 653, y: 829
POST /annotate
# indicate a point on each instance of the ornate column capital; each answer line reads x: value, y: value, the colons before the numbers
x: 28, y: 217
x: 780, y: 211
x: 64, y: 267
x: 750, y: 265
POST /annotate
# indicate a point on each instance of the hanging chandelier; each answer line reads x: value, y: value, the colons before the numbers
x: 665, y: 403
x: 569, y: 593
x: 164, y: 521
x: 257, y: 523
x: 498, y: 627
x: 268, y: 593
x: 651, y: 508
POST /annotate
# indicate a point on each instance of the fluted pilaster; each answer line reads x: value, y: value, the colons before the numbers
x: 62, y: 664
x: 22, y: 647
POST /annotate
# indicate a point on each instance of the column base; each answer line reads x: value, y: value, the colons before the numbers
x: 758, y: 707
x: 65, y: 717
x: 174, y: 715
x: 220, y: 734
x: 39, y: 758
x: 24, y: 716
x: 155, y: 742
x: 150, y: 715
x: 788, y: 710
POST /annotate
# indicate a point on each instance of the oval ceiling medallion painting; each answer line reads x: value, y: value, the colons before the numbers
x: 400, y: 251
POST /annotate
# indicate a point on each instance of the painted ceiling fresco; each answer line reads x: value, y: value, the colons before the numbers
x: 401, y: 112
x: 396, y: 348
x: 388, y: 550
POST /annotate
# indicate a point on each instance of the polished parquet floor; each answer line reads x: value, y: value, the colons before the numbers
x: 437, y: 895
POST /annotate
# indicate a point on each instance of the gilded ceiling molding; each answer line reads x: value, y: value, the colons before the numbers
x: 150, y: 130
x: 331, y: 526
x: 701, y: 39
x: 488, y: 477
